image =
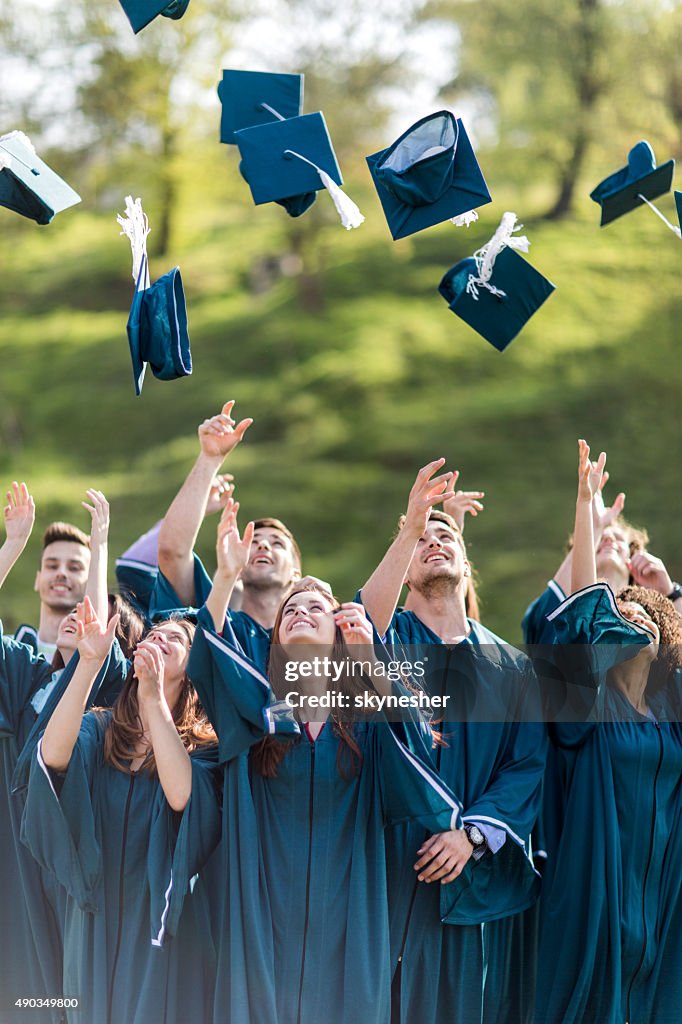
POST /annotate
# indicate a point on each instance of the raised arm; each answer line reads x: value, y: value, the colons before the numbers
x: 20, y: 514
x: 94, y: 643
x: 232, y: 554
x: 584, y: 563
x: 172, y: 760
x: 602, y: 517
x: 97, y: 588
x: 381, y: 592
x: 217, y: 437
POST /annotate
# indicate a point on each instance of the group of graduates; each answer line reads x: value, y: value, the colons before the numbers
x: 183, y: 842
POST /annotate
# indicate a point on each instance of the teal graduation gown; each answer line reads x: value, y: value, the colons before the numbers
x: 495, y: 766
x: 317, y: 866
x: 611, y: 928
x: 137, y: 941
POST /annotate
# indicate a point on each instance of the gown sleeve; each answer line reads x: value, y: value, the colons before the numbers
x: 181, y: 843
x: 236, y: 696
x: 164, y: 601
x: 22, y: 673
x: 58, y: 824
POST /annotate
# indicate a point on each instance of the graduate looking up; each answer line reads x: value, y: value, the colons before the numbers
x: 274, y: 563
x: 123, y: 808
x: 611, y: 911
x: 494, y: 762
x: 308, y: 792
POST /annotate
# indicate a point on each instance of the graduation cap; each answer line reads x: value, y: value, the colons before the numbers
x: 288, y: 160
x: 27, y: 185
x: 632, y: 186
x: 257, y: 97
x: 429, y: 175
x: 141, y: 12
x: 678, y: 204
x: 157, y: 325
x: 496, y: 291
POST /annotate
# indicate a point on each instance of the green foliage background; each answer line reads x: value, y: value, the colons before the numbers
x: 352, y: 367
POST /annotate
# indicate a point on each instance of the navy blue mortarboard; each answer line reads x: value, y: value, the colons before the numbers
x: 27, y: 185
x: 288, y: 160
x: 678, y: 204
x: 257, y: 97
x: 496, y: 291
x: 633, y: 185
x: 429, y: 175
x: 157, y: 325
x: 141, y: 12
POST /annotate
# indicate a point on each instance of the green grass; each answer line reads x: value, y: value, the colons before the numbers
x: 351, y: 398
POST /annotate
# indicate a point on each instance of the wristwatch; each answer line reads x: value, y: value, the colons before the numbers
x: 675, y: 592
x: 475, y: 837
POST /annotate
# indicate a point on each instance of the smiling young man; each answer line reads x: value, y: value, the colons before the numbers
x: 60, y: 584
x: 490, y: 750
x: 274, y: 560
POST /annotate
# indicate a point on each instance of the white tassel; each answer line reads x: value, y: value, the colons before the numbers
x: 658, y: 213
x: 345, y: 207
x: 485, y: 256
x: 136, y: 226
x: 5, y: 161
x: 347, y: 210
x: 463, y: 220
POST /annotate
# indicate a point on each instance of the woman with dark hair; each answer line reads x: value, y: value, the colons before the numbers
x: 611, y: 927
x: 123, y: 807
x: 308, y: 791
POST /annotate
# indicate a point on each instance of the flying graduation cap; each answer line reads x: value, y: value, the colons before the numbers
x: 678, y: 204
x: 634, y: 185
x: 27, y: 185
x: 286, y: 156
x: 496, y: 291
x: 429, y: 175
x: 157, y: 325
x: 141, y: 12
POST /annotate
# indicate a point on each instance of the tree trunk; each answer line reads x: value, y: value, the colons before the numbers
x: 162, y: 235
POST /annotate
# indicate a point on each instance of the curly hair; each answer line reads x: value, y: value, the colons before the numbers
x: 664, y: 614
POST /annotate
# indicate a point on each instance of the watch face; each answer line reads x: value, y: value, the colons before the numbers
x: 475, y: 835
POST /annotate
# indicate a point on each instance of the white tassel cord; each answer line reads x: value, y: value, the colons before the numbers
x: 659, y: 214
x: 463, y: 220
x: 345, y: 207
x: 136, y: 226
x: 485, y: 256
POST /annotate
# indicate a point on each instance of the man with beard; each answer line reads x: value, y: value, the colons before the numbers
x: 448, y: 938
x: 274, y: 562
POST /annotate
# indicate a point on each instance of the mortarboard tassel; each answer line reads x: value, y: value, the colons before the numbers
x: 136, y: 226
x: 347, y: 210
x: 463, y: 220
x: 485, y: 256
x: 658, y: 213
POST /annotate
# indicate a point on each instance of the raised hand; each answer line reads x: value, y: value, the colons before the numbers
x: 92, y: 639
x: 218, y: 435
x: 428, y: 490
x: 649, y: 571
x: 222, y: 488
x: 20, y: 514
x: 355, y: 626
x: 99, y: 511
x: 603, y: 515
x: 463, y: 502
x: 590, y: 474
x: 232, y: 550
x: 149, y: 671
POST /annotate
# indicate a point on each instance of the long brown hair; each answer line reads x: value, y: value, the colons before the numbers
x: 124, y: 730
x: 265, y: 757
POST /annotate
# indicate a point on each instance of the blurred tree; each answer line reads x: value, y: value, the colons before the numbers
x: 558, y: 76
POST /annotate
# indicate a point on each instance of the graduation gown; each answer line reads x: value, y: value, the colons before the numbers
x: 316, y: 869
x: 493, y: 757
x: 137, y: 943
x: 611, y: 928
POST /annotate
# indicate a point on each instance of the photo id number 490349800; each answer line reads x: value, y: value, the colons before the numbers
x: 46, y: 1003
